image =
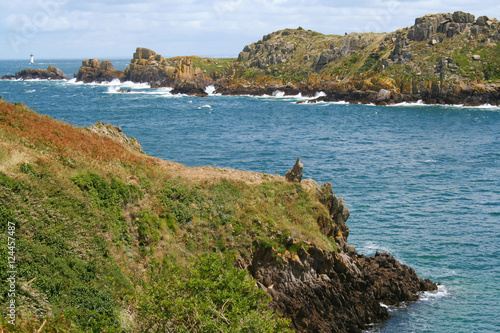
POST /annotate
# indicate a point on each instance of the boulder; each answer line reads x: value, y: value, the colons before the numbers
x: 482, y: 20
x: 55, y: 73
x: 189, y: 88
x: 383, y: 95
x: 461, y: 17
x: 294, y: 175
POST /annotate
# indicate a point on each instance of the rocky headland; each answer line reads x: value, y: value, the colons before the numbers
x: 443, y: 58
x: 115, y: 240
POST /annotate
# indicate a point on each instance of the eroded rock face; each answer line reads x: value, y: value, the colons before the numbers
x: 449, y: 25
x: 326, y: 291
x: 149, y: 67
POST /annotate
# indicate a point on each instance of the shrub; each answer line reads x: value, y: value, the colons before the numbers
x: 215, y: 297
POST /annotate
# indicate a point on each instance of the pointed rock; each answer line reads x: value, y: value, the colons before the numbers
x: 294, y: 175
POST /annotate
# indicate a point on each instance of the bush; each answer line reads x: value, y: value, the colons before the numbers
x: 178, y: 199
x: 105, y: 194
x: 149, y: 228
x: 215, y: 297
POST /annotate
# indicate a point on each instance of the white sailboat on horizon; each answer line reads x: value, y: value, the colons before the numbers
x: 32, y: 60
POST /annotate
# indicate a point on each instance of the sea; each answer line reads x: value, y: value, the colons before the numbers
x: 422, y: 182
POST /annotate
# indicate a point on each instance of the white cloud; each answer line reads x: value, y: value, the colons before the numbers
x: 106, y: 27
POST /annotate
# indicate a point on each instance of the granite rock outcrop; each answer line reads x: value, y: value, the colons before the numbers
x: 149, y: 67
x: 93, y: 70
x: 51, y: 73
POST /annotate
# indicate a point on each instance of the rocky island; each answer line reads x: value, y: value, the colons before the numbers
x: 451, y: 58
x: 51, y: 73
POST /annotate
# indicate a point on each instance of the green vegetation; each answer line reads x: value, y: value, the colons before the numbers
x: 217, y: 297
x: 108, y: 239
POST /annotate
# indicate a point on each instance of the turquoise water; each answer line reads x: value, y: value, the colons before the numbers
x: 422, y: 182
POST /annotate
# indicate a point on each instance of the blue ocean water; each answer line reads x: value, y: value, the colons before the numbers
x: 422, y: 182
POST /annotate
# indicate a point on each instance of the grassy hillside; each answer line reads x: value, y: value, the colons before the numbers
x: 446, y: 48
x: 108, y: 238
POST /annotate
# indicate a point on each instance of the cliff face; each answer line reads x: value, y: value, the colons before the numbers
x: 147, y: 66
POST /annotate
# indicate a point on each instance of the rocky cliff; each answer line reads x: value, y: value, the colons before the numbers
x: 146, y: 66
x: 333, y: 291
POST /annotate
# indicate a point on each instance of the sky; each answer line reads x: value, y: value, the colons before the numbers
x: 113, y: 29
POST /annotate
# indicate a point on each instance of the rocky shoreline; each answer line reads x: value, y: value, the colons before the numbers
x: 442, y: 59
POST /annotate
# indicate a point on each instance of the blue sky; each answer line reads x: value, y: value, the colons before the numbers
x: 81, y: 29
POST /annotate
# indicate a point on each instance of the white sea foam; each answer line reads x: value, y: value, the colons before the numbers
x: 421, y: 103
x: 417, y: 103
x: 279, y: 93
x: 206, y: 106
x: 320, y: 94
x: 211, y: 91
x: 433, y: 295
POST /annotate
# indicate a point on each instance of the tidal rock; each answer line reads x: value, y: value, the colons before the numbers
x: 294, y: 175
x: 189, y: 88
x: 326, y: 291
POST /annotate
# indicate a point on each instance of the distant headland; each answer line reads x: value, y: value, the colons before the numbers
x: 446, y: 58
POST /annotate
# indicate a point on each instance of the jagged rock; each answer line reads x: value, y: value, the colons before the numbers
x: 149, y: 67
x: 450, y: 25
x: 294, y: 175
x: 116, y: 134
x: 333, y: 291
x: 92, y: 70
x: 51, y: 73
x: 325, y: 291
x: 189, y: 88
